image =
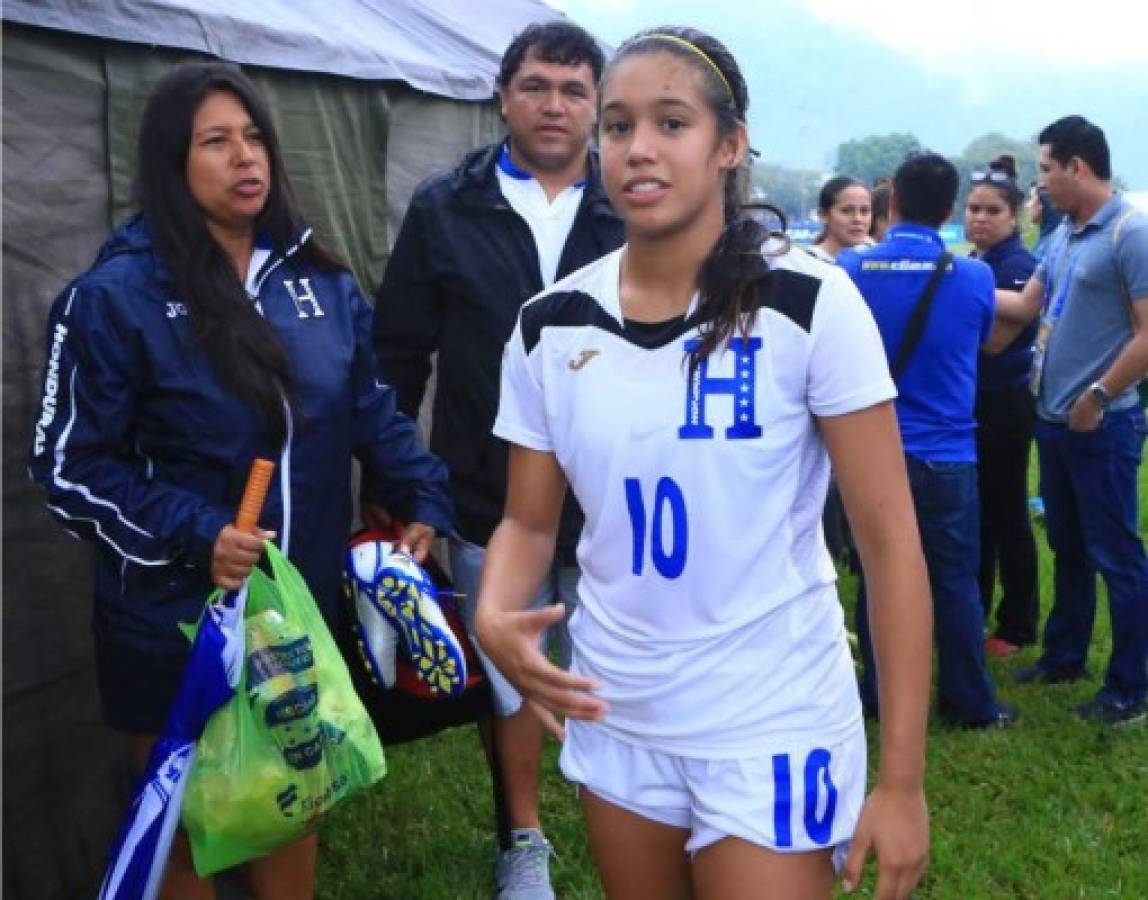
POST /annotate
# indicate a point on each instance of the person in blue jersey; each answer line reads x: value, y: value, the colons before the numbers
x: 688, y: 387
x: 1091, y: 295
x: 213, y: 329
x: 476, y: 243
x: 1006, y: 418
x: 935, y: 395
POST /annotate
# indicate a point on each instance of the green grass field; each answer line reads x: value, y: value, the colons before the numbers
x: 1050, y: 809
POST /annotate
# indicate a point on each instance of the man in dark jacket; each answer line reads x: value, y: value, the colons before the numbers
x: 476, y: 243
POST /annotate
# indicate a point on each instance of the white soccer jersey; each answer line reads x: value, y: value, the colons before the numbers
x: 707, y: 607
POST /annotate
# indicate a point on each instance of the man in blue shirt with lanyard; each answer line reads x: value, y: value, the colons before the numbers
x: 936, y: 374
x: 476, y: 243
x: 1091, y: 292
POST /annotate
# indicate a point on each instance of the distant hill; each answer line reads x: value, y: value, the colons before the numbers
x: 814, y: 86
x: 818, y: 87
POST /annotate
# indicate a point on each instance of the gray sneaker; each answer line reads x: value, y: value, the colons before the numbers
x: 524, y: 869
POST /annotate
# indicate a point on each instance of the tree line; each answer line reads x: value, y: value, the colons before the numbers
x: 794, y: 191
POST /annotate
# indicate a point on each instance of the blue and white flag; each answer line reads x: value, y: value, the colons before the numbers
x: 140, y: 853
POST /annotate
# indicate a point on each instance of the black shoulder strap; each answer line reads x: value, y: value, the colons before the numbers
x: 919, y: 317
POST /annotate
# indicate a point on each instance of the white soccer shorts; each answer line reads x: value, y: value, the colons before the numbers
x: 793, y: 797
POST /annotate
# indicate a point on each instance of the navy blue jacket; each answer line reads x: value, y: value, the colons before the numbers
x: 1012, y: 266
x: 142, y: 450
x: 463, y: 264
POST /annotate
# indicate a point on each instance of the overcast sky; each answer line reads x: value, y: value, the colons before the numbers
x: 823, y: 71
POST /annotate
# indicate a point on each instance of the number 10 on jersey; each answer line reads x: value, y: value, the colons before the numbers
x: 667, y: 501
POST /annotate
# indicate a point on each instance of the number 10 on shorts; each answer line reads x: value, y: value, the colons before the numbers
x: 820, y: 798
x: 667, y: 501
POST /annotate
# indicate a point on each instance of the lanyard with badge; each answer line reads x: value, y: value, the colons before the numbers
x: 1064, y: 261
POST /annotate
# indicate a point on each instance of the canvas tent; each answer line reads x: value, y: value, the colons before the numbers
x: 370, y: 97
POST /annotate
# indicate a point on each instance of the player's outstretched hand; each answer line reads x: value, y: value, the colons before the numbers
x: 511, y: 640
x: 894, y: 824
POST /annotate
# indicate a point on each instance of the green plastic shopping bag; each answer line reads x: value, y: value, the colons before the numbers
x: 291, y: 744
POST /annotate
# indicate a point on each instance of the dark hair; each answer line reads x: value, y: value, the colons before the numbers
x: 246, y: 353
x: 830, y: 191
x: 1076, y: 136
x: 730, y: 273
x: 554, y: 42
x: 880, y: 201
x: 1006, y: 163
x: 1008, y: 189
x: 926, y: 187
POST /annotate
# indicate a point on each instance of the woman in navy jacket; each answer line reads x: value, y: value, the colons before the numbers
x: 211, y: 330
x: 1005, y: 416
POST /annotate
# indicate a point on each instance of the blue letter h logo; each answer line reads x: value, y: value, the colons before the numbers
x: 740, y: 388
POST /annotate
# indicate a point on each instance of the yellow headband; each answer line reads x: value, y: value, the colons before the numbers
x: 694, y: 48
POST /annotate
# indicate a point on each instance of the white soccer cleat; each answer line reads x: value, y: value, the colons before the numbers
x: 406, y: 599
x: 378, y: 640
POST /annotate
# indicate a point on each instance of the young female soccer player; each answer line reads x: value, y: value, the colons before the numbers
x: 688, y: 386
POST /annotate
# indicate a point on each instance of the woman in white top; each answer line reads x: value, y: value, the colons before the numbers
x: 687, y: 387
x: 845, y: 208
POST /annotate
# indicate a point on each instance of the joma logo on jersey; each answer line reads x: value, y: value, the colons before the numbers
x: 176, y: 309
x: 305, y: 300
x: 51, y: 388
x: 584, y: 357
x: 739, y: 388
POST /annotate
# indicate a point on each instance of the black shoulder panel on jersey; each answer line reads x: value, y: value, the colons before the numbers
x: 569, y: 308
x: 793, y: 294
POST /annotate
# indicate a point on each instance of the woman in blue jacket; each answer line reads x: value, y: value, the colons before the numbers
x: 1005, y: 416
x: 211, y: 330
